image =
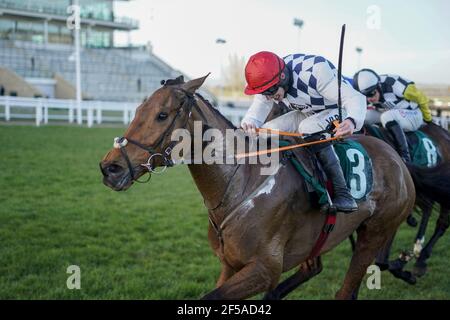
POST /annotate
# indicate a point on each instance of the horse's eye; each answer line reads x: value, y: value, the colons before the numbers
x: 162, y: 116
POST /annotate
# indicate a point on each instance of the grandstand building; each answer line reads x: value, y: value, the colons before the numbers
x: 36, y: 53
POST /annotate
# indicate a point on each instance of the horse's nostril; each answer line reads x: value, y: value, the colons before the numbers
x: 113, y: 169
x: 110, y: 169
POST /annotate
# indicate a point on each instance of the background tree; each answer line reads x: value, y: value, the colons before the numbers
x: 234, y: 77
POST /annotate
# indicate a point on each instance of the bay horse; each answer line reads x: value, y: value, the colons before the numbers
x: 267, y: 224
x: 424, y: 201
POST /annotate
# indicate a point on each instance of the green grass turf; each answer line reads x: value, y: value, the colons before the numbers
x: 146, y: 243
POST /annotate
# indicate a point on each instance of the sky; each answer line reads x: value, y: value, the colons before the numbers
x: 408, y: 38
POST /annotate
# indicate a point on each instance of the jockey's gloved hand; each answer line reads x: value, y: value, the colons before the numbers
x: 249, y: 128
x: 345, y: 128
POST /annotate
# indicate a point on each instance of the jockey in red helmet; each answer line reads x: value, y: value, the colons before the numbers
x: 308, y: 85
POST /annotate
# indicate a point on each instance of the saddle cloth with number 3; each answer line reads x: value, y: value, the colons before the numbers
x: 357, y: 167
x: 355, y: 162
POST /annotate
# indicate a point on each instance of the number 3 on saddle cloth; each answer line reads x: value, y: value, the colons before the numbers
x: 355, y: 162
x: 424, y: 152
x: 357, y: 167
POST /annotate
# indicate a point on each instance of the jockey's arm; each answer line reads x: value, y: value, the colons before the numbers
x: 413, y: 94
x: 258, y: 111
x: 353, y: 102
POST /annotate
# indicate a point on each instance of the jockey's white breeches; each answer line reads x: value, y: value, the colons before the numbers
x: 409, y: 120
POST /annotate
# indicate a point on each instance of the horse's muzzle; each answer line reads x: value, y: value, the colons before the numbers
x: 115, y: 176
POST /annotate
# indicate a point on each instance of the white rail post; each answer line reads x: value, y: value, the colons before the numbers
x: 125, y: 115
x: 46, y: 112
x: 99, y: 112
x: 90, y: 115
x: 133, y: 112
x: 71, y: 111
x: 7, y: 109
x: 79, y: 113
x: 444, y: 122
x: 39, y: 113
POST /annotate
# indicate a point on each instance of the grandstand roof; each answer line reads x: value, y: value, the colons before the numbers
x: 37, y: 11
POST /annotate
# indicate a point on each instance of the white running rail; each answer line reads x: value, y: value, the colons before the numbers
x: 96, y: 112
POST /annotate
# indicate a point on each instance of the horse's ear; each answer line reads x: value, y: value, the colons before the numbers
x: 193, y: 85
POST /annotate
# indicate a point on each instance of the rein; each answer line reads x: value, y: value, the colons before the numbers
x: 257, y: 153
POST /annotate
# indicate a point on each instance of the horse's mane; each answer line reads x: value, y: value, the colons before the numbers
x: 214, y: 110
x: 180, y: 80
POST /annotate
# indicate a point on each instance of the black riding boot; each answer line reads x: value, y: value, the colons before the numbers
x: 342, y: 199
x: 400, y: 141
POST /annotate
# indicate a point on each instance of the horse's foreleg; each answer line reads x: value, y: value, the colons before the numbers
x: 411, y: 221
x: 395, y: 267
x: 306, y: 271
x: 382, y: 259
x: 442, y: 225
x: 368, y: 244
x: 426, y: 213
x: 225, y: 274
x: 256, y: 277
x: 351, y: 238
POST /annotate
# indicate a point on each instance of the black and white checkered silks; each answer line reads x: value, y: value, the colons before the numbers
x: 306, y: 69
x: 314, y: 92
x: 393, y: 88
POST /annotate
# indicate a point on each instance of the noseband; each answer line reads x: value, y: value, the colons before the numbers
x: 121, y: 142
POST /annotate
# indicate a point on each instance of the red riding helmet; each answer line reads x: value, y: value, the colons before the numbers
x: 263, y: 70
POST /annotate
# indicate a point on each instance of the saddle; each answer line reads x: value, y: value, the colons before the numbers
x: 424, y: 151
x: 303, y: 155
x: 355, y: 162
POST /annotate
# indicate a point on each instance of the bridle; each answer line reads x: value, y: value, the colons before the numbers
x: 121, y: 142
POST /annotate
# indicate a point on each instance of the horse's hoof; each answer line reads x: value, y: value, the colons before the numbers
x: 411, y: 221
x: 410, y: 278
x: 382, y: 266
x: 271, y: 296
x: 406, y: 276
x: 420, y: 268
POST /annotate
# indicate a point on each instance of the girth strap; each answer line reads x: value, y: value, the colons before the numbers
x: 328, y: 226
x: 330, y: 220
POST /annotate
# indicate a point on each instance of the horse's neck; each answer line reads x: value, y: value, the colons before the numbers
x: 211, y: 179
x: 230, y: 185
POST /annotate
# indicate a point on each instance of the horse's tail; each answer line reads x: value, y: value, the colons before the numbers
x: 433, y: 182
